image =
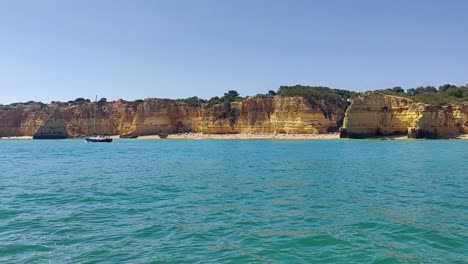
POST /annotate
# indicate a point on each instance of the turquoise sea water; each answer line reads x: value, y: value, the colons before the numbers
x: 234, y: 201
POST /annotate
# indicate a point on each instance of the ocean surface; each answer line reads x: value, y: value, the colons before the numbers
x: 234, y: 201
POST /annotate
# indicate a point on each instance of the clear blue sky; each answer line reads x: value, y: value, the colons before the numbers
x: 61, y: 50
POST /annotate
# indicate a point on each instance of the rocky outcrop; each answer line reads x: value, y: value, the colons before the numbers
x: 23, y: 120
x: 448, y: 121
x: 289, y: 115
x: 153, y: 116
x: 373, y: 114
x: 53, y: 127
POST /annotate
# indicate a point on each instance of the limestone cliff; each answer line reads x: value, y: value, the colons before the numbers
x: 369, y: 115
x: 270, y: 115
x: 151, y: 116
x: 374, y: 114
x: 52, y: 127
x: 23, y: 120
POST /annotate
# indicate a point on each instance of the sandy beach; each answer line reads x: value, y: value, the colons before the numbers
x: 245, y: 136
x: 21, y: 137
x: 267, y: 136
x: 240, y: 136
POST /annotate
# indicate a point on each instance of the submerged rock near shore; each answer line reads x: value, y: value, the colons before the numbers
x: 374, y: 114
x: 266, y: 115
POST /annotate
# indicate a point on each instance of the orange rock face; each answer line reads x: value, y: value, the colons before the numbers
x: 152, y: 116
x: 372, y: 115
x: 369, y: 115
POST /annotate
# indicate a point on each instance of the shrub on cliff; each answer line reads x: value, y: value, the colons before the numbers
x: 421, y: 90
x: 397, y: 90
x: 193, y: 101
x: 445, y: 87
x: 229, y: 97
x: 229, y: 113
x: 434, y: 99
x: 317, y: 93
x: 446, y: 93
x: 102, y: 102
x: 460, y: 92
x: 213, y: 101
x: 79, y: 100
x: 270, y: 93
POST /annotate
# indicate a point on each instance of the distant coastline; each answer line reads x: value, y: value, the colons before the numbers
x: 297, y: 112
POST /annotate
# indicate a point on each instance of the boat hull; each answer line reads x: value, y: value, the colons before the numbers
x: 100, y: 140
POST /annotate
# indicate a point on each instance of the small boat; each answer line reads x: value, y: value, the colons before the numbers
x: 98, y: 138
x: 95, y: 138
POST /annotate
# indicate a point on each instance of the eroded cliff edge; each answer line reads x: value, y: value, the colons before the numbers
x: 273, y: 114
x: 369, y: 115
x: 375, y: 114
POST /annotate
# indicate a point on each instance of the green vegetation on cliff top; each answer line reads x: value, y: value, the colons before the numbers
x: 317, y: 94
x: 445, y: 94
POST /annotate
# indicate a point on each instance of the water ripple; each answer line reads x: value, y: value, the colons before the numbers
x: 211, y: 201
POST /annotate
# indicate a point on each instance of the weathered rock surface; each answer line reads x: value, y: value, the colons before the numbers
x: 372, y: 115
x: 53, y: 127
x: 152, y: 116
x: 369, y: 115
x: 271, y: 115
